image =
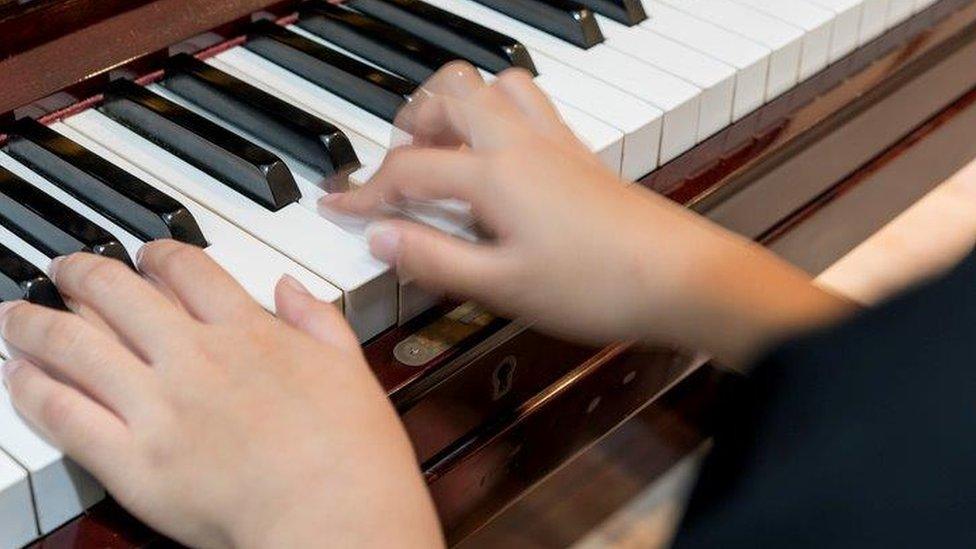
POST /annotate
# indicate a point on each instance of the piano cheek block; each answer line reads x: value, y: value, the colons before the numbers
x: 267, y: 183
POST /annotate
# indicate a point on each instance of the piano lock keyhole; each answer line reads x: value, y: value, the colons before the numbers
x: 503, y: 377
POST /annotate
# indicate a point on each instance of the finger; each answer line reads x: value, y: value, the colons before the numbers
x: 148, y: 322
x: 518, y: 86
x: 204, y: 289
x: 436, y: 260
x: 71, y: 349
x: 414, y: 174
x: 443, y: 121
x: 458, y: 79
x: 82, y: 428
x: 322, y: 321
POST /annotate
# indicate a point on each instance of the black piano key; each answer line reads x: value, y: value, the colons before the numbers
x: 237, y: 162
x: 51, y: 227
x: 375, y: 40
x: 367, y: 87
x: 305, y: 137
x: 20, y: 280
x: 129, y: 202
x: 628, y: 12
x: 566, y: 19
x: 482, y: 46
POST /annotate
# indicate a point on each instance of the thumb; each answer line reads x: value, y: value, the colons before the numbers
x: 297, y: 307
x: 436, y: 260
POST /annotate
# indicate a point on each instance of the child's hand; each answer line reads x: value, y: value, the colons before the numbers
x: 575, y: 249
x: 208, y: 418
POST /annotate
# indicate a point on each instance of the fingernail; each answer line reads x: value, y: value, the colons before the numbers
x: 53, y: 269
x: 9, y: 368
x: 384, y: 242
x: 294, y: 285
x: 139, y: 254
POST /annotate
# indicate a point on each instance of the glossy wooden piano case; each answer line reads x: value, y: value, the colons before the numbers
x: 811, y: 175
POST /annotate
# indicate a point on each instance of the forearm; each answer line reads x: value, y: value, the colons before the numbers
x: 735, y: 299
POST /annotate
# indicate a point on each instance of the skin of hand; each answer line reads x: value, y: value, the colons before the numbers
x: 572, y: 248
x: 209, y: 419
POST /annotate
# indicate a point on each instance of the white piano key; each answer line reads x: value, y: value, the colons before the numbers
x: 369, y: 287
x: 680, y: 101
x: 27, y: 253
x: 785, y: 40
x: 639, y: 121
x: 874, y: 19
x: 18, y: 523
x: 817, y: 24
x: 254, y: 265
x: 847, y: 25
x: 922, y: 4
x: 715, y: 79
x: 328, y: 105
x: 605, y: 141
x: 265, y: 75
x: 750, y: 59
x: 61, y: 489
x: 308, y: 182
x: 899, y: 11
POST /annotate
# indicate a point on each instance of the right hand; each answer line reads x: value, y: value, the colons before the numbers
x: 574, y: 248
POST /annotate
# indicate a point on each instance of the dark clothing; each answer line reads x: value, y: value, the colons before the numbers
x: 863, y: 434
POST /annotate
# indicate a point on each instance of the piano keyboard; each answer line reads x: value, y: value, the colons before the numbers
x: 231, y: 153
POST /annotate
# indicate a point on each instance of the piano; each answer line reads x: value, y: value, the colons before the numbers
x: 803, y: 124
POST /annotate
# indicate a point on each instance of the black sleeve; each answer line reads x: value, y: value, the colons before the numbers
x: 863, y: 434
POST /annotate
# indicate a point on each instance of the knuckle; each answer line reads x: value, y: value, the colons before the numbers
x: 56, y: 411
x: 102, y: 276
x: 514, y: 76
x: 176, y: 261
x: 64, y: 335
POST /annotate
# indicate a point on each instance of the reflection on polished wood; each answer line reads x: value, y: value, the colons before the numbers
x: 786, y: 170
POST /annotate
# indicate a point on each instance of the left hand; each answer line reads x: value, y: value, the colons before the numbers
x: 210, y: 419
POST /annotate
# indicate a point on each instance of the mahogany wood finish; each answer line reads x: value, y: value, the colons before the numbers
x: 504, y: 408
